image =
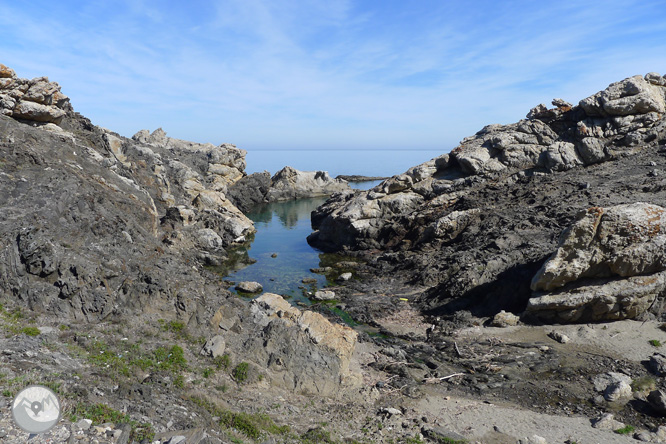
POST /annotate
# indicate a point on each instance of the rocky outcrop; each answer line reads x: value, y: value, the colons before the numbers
x: 300, y: 350
x: 96, y: 225
x: 290, y: 183
x: 609, y: 265
x: 36, y: 100
x: 286, y: 184
x: 475, y: 225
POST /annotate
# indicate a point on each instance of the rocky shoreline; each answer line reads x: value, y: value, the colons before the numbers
x: 455, y: 275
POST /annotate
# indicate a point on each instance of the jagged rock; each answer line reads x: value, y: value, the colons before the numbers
x: 607, y: 421
x: 622, y: 247
x: 289, y: 183
x: 36, y: 100
x: 249, y: 287
x: 504, y: 319
x: 323, y: 295
x: 300, y: 349
x: 626, y: 240
x: 634, y: 95
x: 214, y: 347
x: 657, y: 364
x: 657, y: 400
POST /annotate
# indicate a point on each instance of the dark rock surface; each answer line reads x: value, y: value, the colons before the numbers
x: 475, y: 225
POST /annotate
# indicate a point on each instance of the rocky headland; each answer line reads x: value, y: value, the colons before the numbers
x: 467, y: 292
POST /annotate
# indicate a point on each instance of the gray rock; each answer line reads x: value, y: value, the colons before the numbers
x: 504, y: 319
x: 324, y: 295
x: 344, y: 277
x: 617, y: 391
x: 214, y: 347
x: 289, y: 183
x: 607, y: 421
x: 657, y: 400
x: 559, y: 337
x: 630, y: 96
x: 249, y: 287
x: 84, y: 424
x: 657, y: 364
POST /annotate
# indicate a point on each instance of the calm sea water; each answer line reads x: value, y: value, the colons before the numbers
x: 282, y: 229
x: 336, y: 162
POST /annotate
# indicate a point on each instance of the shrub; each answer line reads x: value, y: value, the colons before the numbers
x: 240, y: 372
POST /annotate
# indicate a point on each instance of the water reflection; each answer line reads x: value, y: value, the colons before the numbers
x: 281, y: 232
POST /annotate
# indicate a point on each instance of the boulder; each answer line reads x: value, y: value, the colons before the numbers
x: 625, y: 240
x: 214, y: 347
x: 249, y: 287
x: 505, y: 319
x: 324, y: 295
x: 634, y: 95
x: 657, y: 400
x: 301, y: 350
x: 37, y: 100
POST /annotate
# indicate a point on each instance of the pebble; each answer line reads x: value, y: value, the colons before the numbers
x: 559, y: 337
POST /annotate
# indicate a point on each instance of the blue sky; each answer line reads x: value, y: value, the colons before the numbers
x: 304, y: 74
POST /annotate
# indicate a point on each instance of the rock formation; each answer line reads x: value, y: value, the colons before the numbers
x: 286, y: 184
x: 609, y: 265
x: 476, y: 224
x: 36, y: 100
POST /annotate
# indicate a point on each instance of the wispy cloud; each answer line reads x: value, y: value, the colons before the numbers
x: 305, y: 74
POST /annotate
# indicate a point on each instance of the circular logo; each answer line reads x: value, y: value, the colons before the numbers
x: 36, y: 409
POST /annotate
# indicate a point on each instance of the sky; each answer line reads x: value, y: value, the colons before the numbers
x: 327, y: 74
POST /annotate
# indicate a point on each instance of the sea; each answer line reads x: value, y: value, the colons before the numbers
x: 363, y: 162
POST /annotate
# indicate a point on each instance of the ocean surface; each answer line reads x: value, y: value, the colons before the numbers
x: 336, y: 162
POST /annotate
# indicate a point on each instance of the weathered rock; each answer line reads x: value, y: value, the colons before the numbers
x: 626, y: 240
x: 300, y: 349
x: 249, y: 287
x: 534, y: 439
x: 250, y: 191
x: 36, y: 100
x: 504, y: 319
x: 617, y: 391
x: 289, y: 183
x: 657, y: 364
x: 323, y: 295
x: 630, y: 96
x: 607, y: 421
x: 214, y: 347
x: 344, y: 277
x: 657, y: 400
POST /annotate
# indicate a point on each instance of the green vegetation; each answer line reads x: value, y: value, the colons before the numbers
x: 101, y: 413
x: 317, y: 436
x: 169, y: 359
x: 655, y: 342
x: 222, y: 362
x: 240, y: 372
x: 626, y: 430
x: 30, y: 331
x: 250, y: 425
x: 179, y: 381
x: 414, y: 440
x: 207, y: 372
x: 644, y: 384
x: 172, y: 326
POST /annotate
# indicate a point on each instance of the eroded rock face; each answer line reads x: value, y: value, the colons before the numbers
x: 290, y: 183
x: 625, y: 115
x: 302, y: 350
x: 476, y: 224
x: 626, y: 240
x: 36, y: 100
x: 609, y: 265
